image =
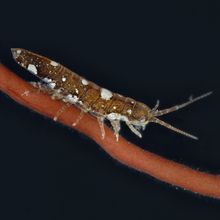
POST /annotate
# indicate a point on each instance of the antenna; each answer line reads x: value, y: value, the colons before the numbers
x: 157, y: 113
x: 158, y: 121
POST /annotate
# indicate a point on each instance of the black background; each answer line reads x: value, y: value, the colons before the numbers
x: 163, y: 50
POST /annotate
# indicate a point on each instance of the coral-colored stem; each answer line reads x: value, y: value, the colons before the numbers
x: 123, y: 151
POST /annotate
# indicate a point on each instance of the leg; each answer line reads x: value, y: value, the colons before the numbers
x: 156, y: 106
x: 134, y: 130
x: 61, y: 110
x: 43, y: 87
x: 116, y: 127
x: 144, y: 126
x: 79, y: 117
x: 101, y: 125
x: 40, y: 86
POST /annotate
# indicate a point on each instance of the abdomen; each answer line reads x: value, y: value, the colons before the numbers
x: 74, y: 88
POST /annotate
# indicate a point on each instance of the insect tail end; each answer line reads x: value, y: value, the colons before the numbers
x: 15, y: 52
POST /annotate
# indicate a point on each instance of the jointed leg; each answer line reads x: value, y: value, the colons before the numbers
x: 116, y: 127
x: 134, y: 130
x: 101, y: 125
x: 43, y: 87
x: 61, y: 110
x: 40, y: 87
x: 81, y: 114
x: 156, y: 106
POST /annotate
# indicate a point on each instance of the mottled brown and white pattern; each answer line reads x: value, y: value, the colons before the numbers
x: 66, y: 85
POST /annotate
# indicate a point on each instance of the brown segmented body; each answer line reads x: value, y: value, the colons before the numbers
x: 88, y: 95
x: 102, y: 103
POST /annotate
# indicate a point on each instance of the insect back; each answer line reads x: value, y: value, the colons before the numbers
x: 60, y: 81
x: 42, y: 67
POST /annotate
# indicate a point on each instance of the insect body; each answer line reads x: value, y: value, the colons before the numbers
x: 89, y: 97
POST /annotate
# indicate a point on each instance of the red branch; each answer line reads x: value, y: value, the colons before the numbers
x: 123, y: 151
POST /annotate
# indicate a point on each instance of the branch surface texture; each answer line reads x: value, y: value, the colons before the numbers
x: 123, y: 151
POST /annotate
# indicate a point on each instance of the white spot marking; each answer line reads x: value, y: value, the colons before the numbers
x: 72, y: 99
x: 53, y: 63
x: 52, y: 85
x: 129, y: 111
x: 15, y: 53
x: 75, y: 98
x: 18, y: 52
x: 85, y: 82
x: 32, y: 68
x: 64, y: 79
x: 77, y: 91
x: 116, y: 116
x: 106, y: 94
x: 47, y: 80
